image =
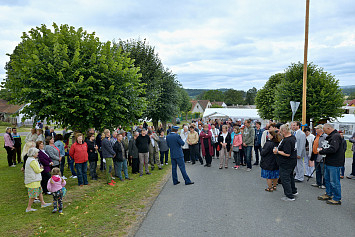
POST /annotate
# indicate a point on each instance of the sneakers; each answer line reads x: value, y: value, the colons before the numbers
x: 322, y: 187
x: 73, y: 177
x: 295, y: 194
x: 61, y: 212
x: 111, y: 184
x: 46, y: 205
x: 332, y: 202
x: 166, y: 163
x: 248, y: 169
x: 324, y: 197
x: 64, y: 177
x: 315, y: 185
x: 37, y: 201
x: 48, y: 193
x: 350, y: 177
x: 13, y: 166
x: 286, y: 199
x: 236, y: 167
x: 54, y: 210
x: 31, y: 210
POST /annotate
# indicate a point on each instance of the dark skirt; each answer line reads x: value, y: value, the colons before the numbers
x: 270, y: 174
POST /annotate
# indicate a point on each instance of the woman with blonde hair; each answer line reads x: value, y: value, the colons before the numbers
x: 31, y: 137
x: 224, y: 142
x: 40, y: 136
x: 287, y: 161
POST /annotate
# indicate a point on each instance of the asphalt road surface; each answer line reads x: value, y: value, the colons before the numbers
x: 232, y: 202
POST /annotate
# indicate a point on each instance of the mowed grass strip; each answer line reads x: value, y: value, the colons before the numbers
x: 94, y: 210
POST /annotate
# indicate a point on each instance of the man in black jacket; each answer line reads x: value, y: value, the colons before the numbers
x: 332, y: 148
x: 352, y: 175
x: 17, y: 145
x: 120, y: 160
x: 142, y: 143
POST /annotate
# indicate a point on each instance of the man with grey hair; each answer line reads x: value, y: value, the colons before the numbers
x: 317, y: 158
x: 301, y: 150
x: 334, y: 159
x: 154, y: 150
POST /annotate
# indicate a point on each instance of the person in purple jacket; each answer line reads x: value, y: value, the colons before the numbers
x: 46, y: 162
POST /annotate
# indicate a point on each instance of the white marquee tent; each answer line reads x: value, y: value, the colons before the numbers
x: 346, y: 123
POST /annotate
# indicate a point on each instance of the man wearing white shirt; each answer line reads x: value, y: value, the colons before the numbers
x: 309, y: 147
x: 301, y: 150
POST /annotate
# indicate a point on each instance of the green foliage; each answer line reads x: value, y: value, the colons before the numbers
x: 69, y: 76
x: 250, y: 97
x: 234, y: 97
x: 184, y: 100
x: 265, y: 97
x: 216, y: 106
x: 212, y: 95
x: 324, y: 97
x: 351, y: 96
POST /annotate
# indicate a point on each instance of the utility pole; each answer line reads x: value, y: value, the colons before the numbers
x: 305, y: 63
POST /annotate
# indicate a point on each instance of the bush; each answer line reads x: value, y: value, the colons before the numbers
x: 2, y: 123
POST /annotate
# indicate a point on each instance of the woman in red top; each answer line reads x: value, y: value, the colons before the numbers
x: 206, y: 145
x: 79, y: 152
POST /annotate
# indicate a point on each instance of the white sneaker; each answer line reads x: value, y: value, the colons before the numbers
x: 113, y: 177
x: 322, y: 187
x: 314, y: 185
x: 166, y: 163
x: 36, y: 201
x: 295, y: 194
x: 49, y: 193
x: 64, y: 177
x: 286, y: 199
x: 31, y: 210
x: 248, y: 170
x: 73, y: 177
x: 15, y: 166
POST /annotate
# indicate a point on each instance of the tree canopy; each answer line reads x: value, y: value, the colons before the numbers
x: 324, y: 96
x: 69, y: 76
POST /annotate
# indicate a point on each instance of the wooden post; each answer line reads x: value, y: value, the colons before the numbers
x: 305, y: 63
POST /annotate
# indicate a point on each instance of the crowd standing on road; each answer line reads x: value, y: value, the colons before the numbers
x: 286, y: 155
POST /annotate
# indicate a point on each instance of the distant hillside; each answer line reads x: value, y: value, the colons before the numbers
x: 347, y: 90
x: 195, y: 92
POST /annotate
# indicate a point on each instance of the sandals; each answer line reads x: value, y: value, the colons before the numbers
x: 274, y: 188
x: 269, y: 190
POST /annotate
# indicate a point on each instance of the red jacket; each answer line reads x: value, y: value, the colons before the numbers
x: 79, y: 152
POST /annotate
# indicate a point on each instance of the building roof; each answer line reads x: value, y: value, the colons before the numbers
x: 345, y: 118
x: 203, y: 103
x: 193, y: 104
x: 220, y: 103
x: 7, y: 108
x: 232, y: 113
x: 351, y: 102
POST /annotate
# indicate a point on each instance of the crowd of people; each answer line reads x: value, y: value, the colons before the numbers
x: 286, y: 155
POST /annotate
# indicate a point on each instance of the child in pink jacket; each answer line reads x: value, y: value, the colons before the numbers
x: 55, y: 185
x: 237, y: 141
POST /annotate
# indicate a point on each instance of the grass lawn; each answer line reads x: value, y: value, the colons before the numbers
x: 94, y: 210
x: 21, y: 129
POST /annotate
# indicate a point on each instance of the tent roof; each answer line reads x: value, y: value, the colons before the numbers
x: 347, y: 118
x: 232, y: 113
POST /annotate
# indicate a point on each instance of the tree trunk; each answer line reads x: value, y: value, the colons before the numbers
x: 164, y: 126
x: 155, y: 124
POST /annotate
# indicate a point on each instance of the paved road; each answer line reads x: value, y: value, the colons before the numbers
x: 232, y: 202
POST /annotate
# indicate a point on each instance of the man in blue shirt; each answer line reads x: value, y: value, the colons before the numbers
x: 175, y: 142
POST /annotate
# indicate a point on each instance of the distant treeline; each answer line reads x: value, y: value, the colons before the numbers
x: 348, y: 90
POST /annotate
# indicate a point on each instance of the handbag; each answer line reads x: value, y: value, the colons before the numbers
x: 236, y: 148
x: 218, y: 148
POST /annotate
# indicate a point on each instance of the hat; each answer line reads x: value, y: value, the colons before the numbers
x: 319, y: 126
x: 242, y: 126
x: 340, y: 131
x: 121, y: 131
x: 175, y: 127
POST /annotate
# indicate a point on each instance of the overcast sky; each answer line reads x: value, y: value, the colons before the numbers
x: 208, y: 44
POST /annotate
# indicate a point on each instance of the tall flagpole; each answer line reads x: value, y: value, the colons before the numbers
x: 304, y: 97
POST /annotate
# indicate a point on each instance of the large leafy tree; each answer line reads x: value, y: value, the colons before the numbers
x: 212, y: 95
x: 324, y: 96
x: 151, y: 69
x: 265, y: 97
x: 69, y: 76
x: 250, y: 97
x: 234, y: 97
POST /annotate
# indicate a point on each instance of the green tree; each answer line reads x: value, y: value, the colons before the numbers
x: 265, y: 97
x: 184, y: 101
x: 212, y: 95
x: 250, y: 97
x: 216, y: 106
x: 324, y: 96
x: 234, y: 97
x: 151, y: 69
x: 351, y: 96
x: 69, y: 76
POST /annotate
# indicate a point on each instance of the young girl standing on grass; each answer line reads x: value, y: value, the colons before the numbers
x: 33, y: 179
x: 55, y: 186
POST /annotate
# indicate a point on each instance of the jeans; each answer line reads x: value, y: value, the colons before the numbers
x: 71, y: 165
x: 180, y: 162
x: 342, y: 171
x: 236, y: 158
x: 332, y: 182
x: 119, y: 166
x: 319, y: 173
x: 162, y: 154
x: 82, y: 169
x: 93, y: 167
x: 288, y: 181
x: 247, y: 152
x: 61, y: 165
x: 257, y: 149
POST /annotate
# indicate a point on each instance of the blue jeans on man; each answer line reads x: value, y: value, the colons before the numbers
x: 247, y: 152
x: 332, y: 182
x: 119, y: 166
x: 319, y: 166
x: 82, y: 169
x: 179, y: 162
